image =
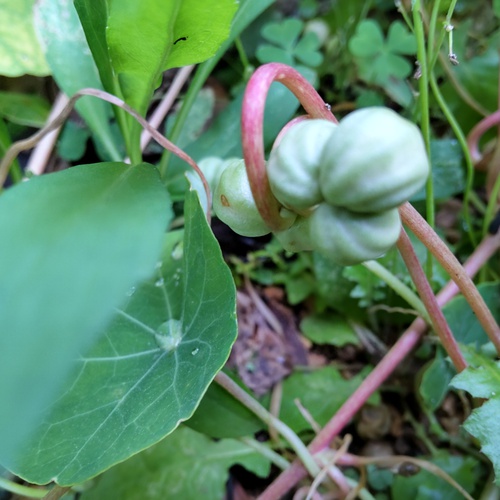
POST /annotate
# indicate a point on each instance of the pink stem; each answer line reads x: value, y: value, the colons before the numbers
x: 451, y: 265
x: 439, y: 322
x: 290, y: 477
x: 252, y: 120
x: 478, y: 131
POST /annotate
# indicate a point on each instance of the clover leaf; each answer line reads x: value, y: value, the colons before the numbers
x: 379, y: 60
x: 285, y: 46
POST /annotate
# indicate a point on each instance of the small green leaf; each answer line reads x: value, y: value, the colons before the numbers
x: 24, y: 109
x: 220, y: 415
x: 435, y: 381
x: 284, y: 34
x: 268, y: 53
x: 463, y: 322
x: 306, y: 50
x: 20, y: 51
x: 327, y: 328
x: 321, y: 392
x: 368, y: 287
x: 368, y: 39
x: 379, y: 60
x: 73, y: 242
x: 185, y: 465
x: 400, y: 40
x: 482, y: 380
x: 150, y: 367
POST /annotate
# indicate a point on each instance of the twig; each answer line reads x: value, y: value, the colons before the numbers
x: 30, y: 142
x: 166, y: 103
x: 39, y: 157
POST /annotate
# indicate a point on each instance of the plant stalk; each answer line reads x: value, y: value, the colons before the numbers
x: 438, y: 320
x: 451, y: 265
x: 252, y: 119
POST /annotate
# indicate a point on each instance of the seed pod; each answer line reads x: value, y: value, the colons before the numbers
x: 297, y: 237
x: 375, y: 160
x: 293, y: 166
x: 234, y: 204
x: 349, y: 238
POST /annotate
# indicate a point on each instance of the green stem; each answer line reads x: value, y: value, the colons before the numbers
x: 275, y: 458
x: 243, y: 55
x: 255, y: 407
x: 423, y: 84
x: 465, y: 149
x: 19, y: 489
x: 398, y: 286
x: 432, y: 47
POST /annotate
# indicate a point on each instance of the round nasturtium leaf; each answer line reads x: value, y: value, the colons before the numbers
x: 150, y: 367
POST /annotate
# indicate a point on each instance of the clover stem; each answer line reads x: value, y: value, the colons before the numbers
x: 437, y: 318
x: 453, y: 267
x: 252, y: 125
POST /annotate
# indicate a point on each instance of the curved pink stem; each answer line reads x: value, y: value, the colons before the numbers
x: 478, y: 131
x: 252, y: 124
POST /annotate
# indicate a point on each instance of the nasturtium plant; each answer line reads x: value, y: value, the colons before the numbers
x: 149, y: 367
x: 70, y: 275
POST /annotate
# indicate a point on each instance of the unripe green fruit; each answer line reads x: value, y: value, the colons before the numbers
x: 297, y: 237
x: 349, y: 238
x: 294, y: 165
x: 374, y: 161
x: 234, y: 204
x: 212, y: 168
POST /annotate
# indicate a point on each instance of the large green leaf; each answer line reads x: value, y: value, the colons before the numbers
x: 150, y: 367
x: 72, y: 66
x: 185, y: 465
x: 73, y: 243
x: 178, y: 33
x: 20, y: 51
x: 204, y: 26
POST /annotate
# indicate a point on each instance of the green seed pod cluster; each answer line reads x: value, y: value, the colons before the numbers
x: 355, y: 176
x: 341, y: 184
